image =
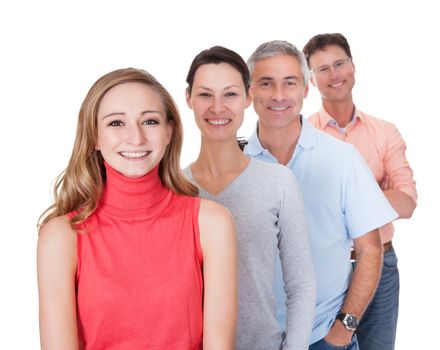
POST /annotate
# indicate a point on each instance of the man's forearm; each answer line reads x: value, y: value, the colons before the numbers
x: 363, y: 284
x: 401, y: 202
x: 366, y: 273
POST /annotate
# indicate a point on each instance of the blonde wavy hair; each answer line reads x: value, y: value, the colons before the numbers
x: 79, y: 187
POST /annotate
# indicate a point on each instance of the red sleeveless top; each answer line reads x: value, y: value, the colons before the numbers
x: 139, y: 279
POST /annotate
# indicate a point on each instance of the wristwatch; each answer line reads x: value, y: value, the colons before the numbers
x: 349, y: 321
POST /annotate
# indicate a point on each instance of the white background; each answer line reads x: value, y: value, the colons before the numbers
x: 52, y: 52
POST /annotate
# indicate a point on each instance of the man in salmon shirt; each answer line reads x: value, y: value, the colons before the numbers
x: 380, y: 143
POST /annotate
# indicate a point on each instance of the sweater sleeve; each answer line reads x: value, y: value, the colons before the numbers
x: 297, y: 266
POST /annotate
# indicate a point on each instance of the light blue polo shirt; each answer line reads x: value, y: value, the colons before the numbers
x: 342, y: 201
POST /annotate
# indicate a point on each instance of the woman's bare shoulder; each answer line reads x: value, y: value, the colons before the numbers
x: 57, y: 231
x: 217, y: 226
x: 213, y: 212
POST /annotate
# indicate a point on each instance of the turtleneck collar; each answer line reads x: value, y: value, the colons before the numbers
x: 131, y: 197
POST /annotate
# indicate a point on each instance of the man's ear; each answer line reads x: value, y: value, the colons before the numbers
x: 251, y: 92
x: 248, y: 99
x: 306, y: 91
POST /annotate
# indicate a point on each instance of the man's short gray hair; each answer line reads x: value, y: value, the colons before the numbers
x: 279, y: 47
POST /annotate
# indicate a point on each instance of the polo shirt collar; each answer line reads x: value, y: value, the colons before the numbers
x: 307, y: 139
x: 254, y: 148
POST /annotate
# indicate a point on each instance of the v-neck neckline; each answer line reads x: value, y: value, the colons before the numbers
x: 225, y: 189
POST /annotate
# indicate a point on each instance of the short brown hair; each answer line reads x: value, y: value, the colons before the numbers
x: 320, y: 41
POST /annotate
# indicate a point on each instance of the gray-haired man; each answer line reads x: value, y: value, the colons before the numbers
x: 343, y: 202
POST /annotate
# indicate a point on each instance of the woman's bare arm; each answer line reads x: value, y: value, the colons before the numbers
x: 56, y: 267
x: 217, y: 236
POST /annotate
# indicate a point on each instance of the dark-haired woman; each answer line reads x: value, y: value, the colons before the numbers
x: 263, y: 198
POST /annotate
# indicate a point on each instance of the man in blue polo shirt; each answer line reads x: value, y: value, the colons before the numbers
x: 344, y: 204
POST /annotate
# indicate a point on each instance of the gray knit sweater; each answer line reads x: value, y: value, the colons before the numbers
x: 268, y: 210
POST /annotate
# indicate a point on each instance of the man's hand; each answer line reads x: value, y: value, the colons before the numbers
x: 339, y: 335
x: 386, y: 183
x: 400, y: 201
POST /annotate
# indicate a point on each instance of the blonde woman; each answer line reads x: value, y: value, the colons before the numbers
x: 128, y: 256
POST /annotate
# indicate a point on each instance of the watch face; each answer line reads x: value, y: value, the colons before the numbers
x: 351, y: 322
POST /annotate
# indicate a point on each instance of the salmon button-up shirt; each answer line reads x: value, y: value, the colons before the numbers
x: 382, y: 147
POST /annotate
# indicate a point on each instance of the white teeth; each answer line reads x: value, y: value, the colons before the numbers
x: 278, y: 108
x: 134, y: 154
x: 337, y: 85
x: 218, y: 121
